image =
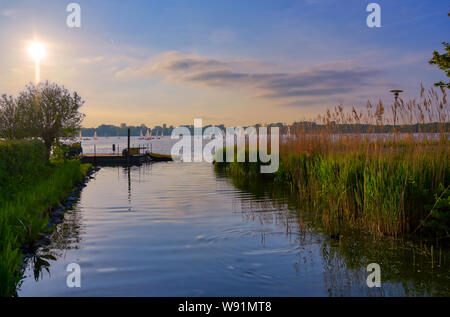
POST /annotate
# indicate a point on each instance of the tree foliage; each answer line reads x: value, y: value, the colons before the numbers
x: 14, y: 118
x: 47, y: 111
x: 443, y: 62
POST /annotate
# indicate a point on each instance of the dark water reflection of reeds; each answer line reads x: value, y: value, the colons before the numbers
x: 408, y: 267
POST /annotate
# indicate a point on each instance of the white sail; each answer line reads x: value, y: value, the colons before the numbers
x: 95, y: 135
x: 147, y: 134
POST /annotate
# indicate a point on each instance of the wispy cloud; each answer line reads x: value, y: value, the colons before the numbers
x: 189, y: 64
x: 330, y: 79
x: 92, y: 60
x: 8, y: 12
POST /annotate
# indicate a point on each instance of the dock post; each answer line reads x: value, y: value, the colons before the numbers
x: 128, y: 153
x: 128, y: 140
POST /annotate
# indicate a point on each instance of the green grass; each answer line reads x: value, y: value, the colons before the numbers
x: 30, y: 187
x: 20, y: 163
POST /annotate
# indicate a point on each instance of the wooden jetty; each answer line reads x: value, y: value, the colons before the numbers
x: 114, y: 159
x: 130, y: 156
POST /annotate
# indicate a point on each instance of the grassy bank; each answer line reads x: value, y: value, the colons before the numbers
x: 30, y: 186
x: 395, y: 184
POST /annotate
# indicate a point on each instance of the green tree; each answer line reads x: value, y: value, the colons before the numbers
x: 443, y: 62
x: 14, y: 118
x: 47, y: 111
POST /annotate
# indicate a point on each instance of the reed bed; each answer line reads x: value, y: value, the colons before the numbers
x: 376, y: 178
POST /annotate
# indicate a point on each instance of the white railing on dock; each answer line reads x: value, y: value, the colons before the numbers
x: 113, y: 150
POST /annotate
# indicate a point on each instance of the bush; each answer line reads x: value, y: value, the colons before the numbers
x: 20, y: 163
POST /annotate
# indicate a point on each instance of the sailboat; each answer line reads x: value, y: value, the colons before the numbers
x: 95, y: 135
x: 147, y: 135
x: 141, y: 137
x: 81, y: 137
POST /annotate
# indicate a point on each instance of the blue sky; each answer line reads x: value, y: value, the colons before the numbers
x: 232, y: 62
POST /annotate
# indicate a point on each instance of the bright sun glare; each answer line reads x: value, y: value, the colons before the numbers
x: 36, y: 51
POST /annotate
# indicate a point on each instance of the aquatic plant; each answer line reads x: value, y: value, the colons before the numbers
x: 384, y: 183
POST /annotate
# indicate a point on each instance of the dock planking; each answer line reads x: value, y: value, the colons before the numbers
x: 108, y: 159
x: 114, y: 159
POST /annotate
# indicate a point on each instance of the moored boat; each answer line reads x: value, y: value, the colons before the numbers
x: 160, y: 157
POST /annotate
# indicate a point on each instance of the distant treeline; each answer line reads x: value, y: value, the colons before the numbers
x: 122, y: 130
x: 305, y: 126
x: 434, y: 127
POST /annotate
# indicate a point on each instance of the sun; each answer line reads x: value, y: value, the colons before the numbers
x: 36, y: 51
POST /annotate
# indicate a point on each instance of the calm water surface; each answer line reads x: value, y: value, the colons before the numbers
x: 184, y: 229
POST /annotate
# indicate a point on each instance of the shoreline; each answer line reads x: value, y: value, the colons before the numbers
x: 56, y: 215
x: 37, y: 191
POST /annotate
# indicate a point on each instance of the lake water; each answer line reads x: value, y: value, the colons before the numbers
x: 104, y: 145
x: 185, y: 229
